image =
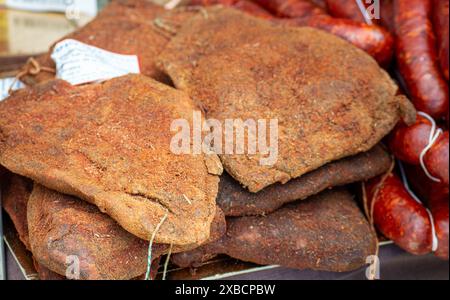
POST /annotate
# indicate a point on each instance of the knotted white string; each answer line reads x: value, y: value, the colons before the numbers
x: 434, y: 135
x: 414, y: 196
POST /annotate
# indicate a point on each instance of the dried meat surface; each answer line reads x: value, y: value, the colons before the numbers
x: 109, y: 144
x: 74, y: 227
x: 237, y: 201
x: 15, y: 193
x: 327, y: 232
x: 62, y: 227
x: 124, y: 27
x: 330, y: 98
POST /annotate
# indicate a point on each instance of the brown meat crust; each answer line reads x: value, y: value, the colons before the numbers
x: 46, y: 274
x: 15, y: 193
x: 236, y: 201
x: 15, y: 198
x: 63, y: 212
x: 125, y: 27
x: 109, y: 144
x: 326, y: 232
x: 61, y: 225
x: 331, y: 99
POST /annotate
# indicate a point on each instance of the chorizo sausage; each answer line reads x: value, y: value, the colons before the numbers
x: 408, y: 144
x: 441, y: 27
x: 243, y: 5
x: 398, y: 216
x: 417, y: 57
x: 436, y: 160
x: 439, y: 208
x: 212, y: 2
x: 320, y: 3
x: 375, y: 40
x: 349, y: 9
x: 253, y: 9
x: 387, y: 15
x: 291, y: 8
x: 437, y: 197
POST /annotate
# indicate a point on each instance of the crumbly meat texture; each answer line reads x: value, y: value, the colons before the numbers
x: 330, y: 98
x: 327, y: 232
x: 124, y: 27
x: 109, y: 144
x: 237, y: 201
x: 46, y: 274
x: 61, y: 226
x: 15, y: 193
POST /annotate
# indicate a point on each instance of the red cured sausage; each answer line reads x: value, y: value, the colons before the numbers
x: 439, y: 208
x: 349, y: 9
x: 441, y: 27
x: 291, y: 8
x: 375, y: 40
x: 437, y: 161
x: 320, y: 3
x: 417, y: 57
x: 243, y: 5
x: 212, y: 2
x: 253, y: 9
x: 408, y: 142
x: 398, y: 216
x: 387, y: 15
x: 437, y: 197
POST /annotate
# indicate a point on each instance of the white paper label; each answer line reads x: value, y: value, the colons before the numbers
x: 88, y: 7
x: 78, y: 63
x: 5, y: 86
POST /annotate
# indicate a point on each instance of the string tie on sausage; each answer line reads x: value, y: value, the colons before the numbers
x: 377, y: 190
x: 434, y: 135
x: 434, y: 236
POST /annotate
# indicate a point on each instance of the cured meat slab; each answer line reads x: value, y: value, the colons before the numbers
x: 326, y: 232
x: 109, y: 144
x: 330, y: 99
